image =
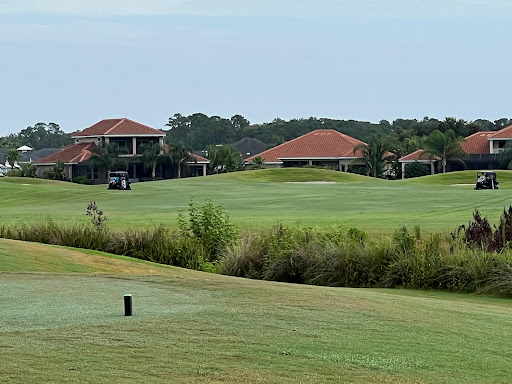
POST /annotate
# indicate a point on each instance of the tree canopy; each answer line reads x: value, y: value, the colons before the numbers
x: 446, y: 146
x: 41, y: 135
x: 402, y: 136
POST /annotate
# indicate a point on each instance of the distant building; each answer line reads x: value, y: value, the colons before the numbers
x: 249, y: 146
x: 126, y: 134
x: 483, y: 150
x: 323, y: 147
x: 26, y: 156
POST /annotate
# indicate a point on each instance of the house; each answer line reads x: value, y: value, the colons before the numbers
x: 419, y: 156
x: 249, y: 146
x: 124, y: 132
x: 323, y: 147
x: 27, y: 155
x: 483, y: 149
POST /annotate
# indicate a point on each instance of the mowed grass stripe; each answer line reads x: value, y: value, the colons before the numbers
x: 193, y: 327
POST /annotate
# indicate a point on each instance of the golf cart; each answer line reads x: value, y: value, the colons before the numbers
x: 486, y: 180
x: 118, y: 180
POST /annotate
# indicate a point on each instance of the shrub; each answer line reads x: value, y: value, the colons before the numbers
x: 56, y: 173
x: 479, y: 233
x: 14, y: 173
x: 416, y: 170
x: 27, y: 170
x: 211, y: 226
x: 81, y: 180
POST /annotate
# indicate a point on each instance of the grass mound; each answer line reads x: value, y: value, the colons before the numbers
x: 287, y: 175
x: 462, y: 178
x: 24, y: 257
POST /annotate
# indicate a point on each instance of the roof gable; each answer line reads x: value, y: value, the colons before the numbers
x: 322, y: 143
x: 505, y: 133
x: 73, y: 153
x: 419, y: 155
x: 478, y: 143
x: 249, y: 146
x: 122, y: 127
x: 198, y: 158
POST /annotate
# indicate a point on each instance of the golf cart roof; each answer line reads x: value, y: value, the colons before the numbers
x: 486, y: 172
x: 123, y: 172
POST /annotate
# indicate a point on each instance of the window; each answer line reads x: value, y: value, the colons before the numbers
x: 92, y: 173
x: 143, y: 142
x: 76, y: 171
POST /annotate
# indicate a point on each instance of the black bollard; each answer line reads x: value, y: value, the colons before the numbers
x: 128, y: 310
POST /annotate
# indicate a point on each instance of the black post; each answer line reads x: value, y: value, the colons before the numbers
x: 128, y: 310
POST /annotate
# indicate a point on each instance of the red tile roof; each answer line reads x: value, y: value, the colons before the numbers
x: 322, y: 143
x: 505, y: 133
x: 199, y: 159
x: 419, y: 155
x: 112, y: 127
x: 74, y: 153
x: 478, y: 143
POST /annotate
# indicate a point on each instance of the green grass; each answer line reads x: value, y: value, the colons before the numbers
x: 192, y: 327
x: 262, y: 198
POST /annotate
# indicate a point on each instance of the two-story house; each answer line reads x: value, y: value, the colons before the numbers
x: 483, y: 149
x: 127, y: 134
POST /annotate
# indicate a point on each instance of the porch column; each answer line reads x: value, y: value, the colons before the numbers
x: 310, y: 162
x: 107, y: 140
x: 432, y: 171
x: 204, y: 169
x: 161, y: 141
x: 70, y: 171
x: 134, y: 167
x: 134, y: 141
x: 403, y: 170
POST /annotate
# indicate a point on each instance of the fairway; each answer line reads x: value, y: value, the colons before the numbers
x: 62, y: 321
x: 264, y: 198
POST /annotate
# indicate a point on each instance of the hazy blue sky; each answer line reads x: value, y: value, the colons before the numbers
x: 77, y: 62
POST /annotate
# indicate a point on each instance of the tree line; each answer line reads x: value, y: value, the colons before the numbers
x: 199, y: 131
x: 41, y: 135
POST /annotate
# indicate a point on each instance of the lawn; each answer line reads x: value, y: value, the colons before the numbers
x: 62, y: 321
x: 263, y: 198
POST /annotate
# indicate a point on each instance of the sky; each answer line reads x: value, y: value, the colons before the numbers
x: 76, y: 62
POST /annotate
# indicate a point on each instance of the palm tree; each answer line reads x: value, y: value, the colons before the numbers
x: 446, y: 146
x: 373, y: 156
x: 152, y: 154
x: 180, y: 156
x: 258, y: 163
x: 28, y: 170
x: 12, y: 157
x: 106, y: 156
x: 506, y: 156
x: 224, y: 158
x: 58, y: 170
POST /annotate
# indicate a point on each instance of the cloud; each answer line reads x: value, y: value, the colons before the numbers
x: 294, y: 8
